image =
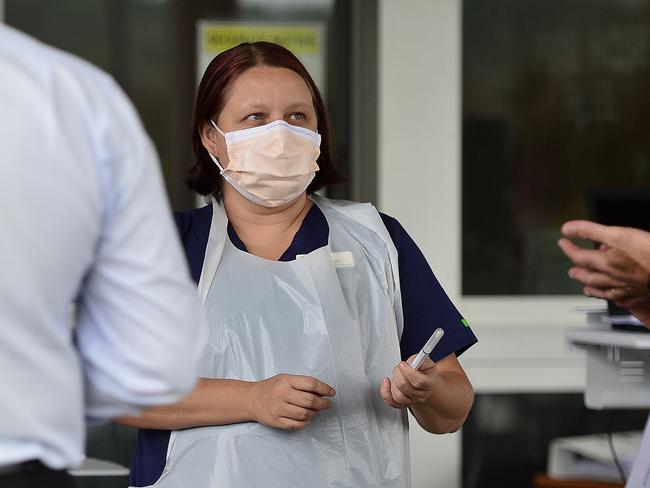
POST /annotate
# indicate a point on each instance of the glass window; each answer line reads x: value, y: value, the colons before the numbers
x: 149, y: 48
x: 131, y: 40
x: 556, y: 100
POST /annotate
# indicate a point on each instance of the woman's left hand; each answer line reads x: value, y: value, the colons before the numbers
x: 409, y: 387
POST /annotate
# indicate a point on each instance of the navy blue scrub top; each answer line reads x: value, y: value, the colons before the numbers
x: 425, y: 306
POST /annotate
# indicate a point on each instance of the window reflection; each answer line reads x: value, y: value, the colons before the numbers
x: 556, y: 99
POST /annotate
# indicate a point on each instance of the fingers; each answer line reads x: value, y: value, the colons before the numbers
x: 616, y: 295
x: 427, y: 364
x: 297, y: 413
x: 597, y: 293
x: 308, y: 400
x: 591, y: 231
x: 400, y: 397
x: 584, y: 258
x: 594, y: 279
x: 624, y: 253
x: 624, y: 297
x: 291, y: 424
x: 617, y: 264
x: 276, y: 402
x: 387, y: 396
x: 410, y: 385
x: 311, y: 385
x: 631, y: 302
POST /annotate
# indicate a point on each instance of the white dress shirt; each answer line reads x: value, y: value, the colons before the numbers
x: 83, y: 219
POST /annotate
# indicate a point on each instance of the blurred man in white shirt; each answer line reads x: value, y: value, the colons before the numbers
x: 83, y: 219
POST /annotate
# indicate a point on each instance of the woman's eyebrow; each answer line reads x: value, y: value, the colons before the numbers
x: 254, y: 107
x: 300, y: 105
x: 262, y: 107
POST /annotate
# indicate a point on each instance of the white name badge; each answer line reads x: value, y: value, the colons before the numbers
x: 342, y: 259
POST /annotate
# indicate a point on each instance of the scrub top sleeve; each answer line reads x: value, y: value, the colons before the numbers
x: 193, y: 229
x: 425, y: 304
x: 182, y: 223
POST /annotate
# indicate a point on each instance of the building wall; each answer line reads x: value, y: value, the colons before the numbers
x: 419, y: 143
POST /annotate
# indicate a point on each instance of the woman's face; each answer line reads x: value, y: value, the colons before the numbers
x: 261, y: 95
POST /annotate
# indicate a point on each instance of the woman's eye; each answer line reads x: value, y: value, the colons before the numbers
x: 297, y: 116
x: 255, y: 117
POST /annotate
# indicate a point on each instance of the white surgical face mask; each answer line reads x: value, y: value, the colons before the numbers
x: 272, y: 164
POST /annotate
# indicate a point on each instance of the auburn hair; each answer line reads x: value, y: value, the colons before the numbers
x: 223, y: 70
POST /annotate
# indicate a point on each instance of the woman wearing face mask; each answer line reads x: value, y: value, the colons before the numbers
x: 313, y: 305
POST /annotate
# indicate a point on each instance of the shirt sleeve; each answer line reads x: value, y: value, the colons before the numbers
x: 425, y: 304
x: 139, y: 325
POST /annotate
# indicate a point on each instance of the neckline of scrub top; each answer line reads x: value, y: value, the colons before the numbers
x: 314, y: 228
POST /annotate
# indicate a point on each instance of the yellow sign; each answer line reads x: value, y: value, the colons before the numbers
x: 304, y: 39
x: 300, y: 40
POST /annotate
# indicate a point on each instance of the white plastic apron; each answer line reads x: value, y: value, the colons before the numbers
x: 337, y: 320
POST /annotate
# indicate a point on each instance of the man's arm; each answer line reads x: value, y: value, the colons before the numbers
x: 139, y: 327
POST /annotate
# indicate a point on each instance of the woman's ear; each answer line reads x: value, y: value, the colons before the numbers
x: 212, y: 141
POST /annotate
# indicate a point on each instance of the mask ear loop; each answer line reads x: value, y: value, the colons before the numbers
x: 214, y: 124
x: 212, y: 156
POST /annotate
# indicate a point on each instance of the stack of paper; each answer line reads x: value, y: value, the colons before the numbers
x: 590, y: 457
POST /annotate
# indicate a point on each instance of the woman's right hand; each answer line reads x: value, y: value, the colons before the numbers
x: 288, y: 401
